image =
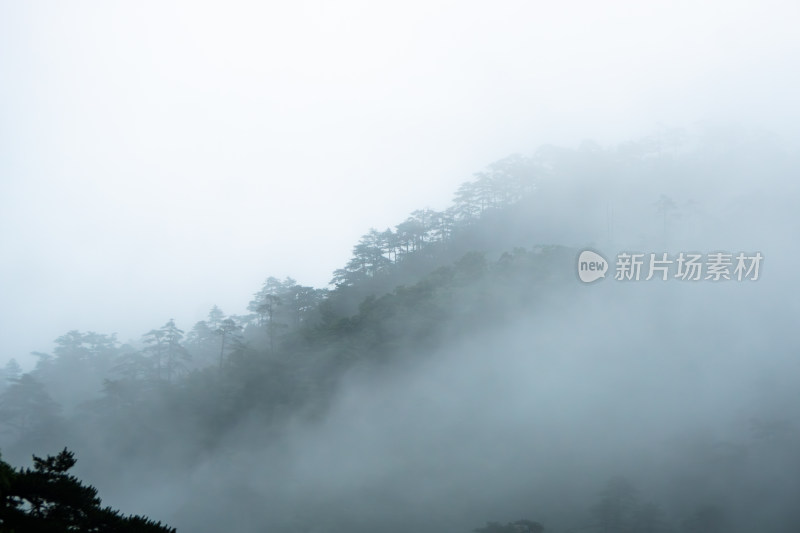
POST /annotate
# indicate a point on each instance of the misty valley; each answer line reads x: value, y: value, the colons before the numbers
x: 457, y: 375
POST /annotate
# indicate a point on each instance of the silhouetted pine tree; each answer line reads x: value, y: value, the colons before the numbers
x: 48, y: 499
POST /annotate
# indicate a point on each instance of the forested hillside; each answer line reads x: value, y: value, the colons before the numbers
x: 455, y: 372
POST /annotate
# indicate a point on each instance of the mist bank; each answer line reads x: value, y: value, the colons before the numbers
x: 695, y: 407
x: 458, y: 372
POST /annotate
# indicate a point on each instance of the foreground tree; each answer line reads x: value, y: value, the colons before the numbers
x: 48, y: 499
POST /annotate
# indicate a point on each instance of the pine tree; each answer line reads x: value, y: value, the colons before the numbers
x: 47, y: 499
x: 176, y: 355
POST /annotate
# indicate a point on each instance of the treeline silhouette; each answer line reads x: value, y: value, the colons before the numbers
x: 439, y: 275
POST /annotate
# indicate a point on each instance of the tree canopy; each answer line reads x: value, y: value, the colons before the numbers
x: 48, y: 499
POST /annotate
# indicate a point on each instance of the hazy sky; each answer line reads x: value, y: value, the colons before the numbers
x: 159, y: 157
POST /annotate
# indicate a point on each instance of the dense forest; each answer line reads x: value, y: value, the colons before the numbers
x: 456, y: 373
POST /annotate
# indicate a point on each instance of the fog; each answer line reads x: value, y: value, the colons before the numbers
x: 159, y: 159
x: 664, y: 387
x: 153, y: 149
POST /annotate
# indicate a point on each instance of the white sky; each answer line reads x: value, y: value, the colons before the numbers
x: 159, y: 157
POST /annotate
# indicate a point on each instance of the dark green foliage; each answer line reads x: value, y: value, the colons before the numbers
x: 47, y: 499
